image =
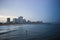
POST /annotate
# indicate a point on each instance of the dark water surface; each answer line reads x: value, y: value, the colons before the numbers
x: 31, y: 32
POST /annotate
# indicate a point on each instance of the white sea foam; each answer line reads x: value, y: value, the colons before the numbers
x: 3, y: 31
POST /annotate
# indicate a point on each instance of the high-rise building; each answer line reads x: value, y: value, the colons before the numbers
x: 8, y: 20
x: 15, y: 20
x: 20, y: 19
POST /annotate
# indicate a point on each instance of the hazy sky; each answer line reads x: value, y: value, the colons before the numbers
x: 34, y: 10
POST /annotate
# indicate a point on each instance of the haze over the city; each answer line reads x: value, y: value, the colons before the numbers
x: 34, y: 10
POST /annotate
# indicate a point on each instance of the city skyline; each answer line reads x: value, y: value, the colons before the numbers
x: 34, y: 10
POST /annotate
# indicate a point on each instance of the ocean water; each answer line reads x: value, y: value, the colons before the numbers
x: 30, y: 32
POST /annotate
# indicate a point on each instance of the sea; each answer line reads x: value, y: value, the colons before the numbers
x: 30, y: 32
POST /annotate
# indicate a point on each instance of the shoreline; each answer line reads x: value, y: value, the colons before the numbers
x: 21, y: 23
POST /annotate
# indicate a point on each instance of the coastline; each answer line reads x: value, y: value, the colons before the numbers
x: 20, y: 23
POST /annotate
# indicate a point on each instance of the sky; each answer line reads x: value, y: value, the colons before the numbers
x: 34, y: 10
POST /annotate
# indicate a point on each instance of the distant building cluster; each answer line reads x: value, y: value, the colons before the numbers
x: 18, y: 20
x: 21, y: 20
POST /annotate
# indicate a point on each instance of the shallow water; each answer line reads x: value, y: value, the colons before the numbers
x: 31, y: 32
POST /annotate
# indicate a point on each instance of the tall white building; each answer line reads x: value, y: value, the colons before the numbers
x: 19, y: 20
x: 15, y: 20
